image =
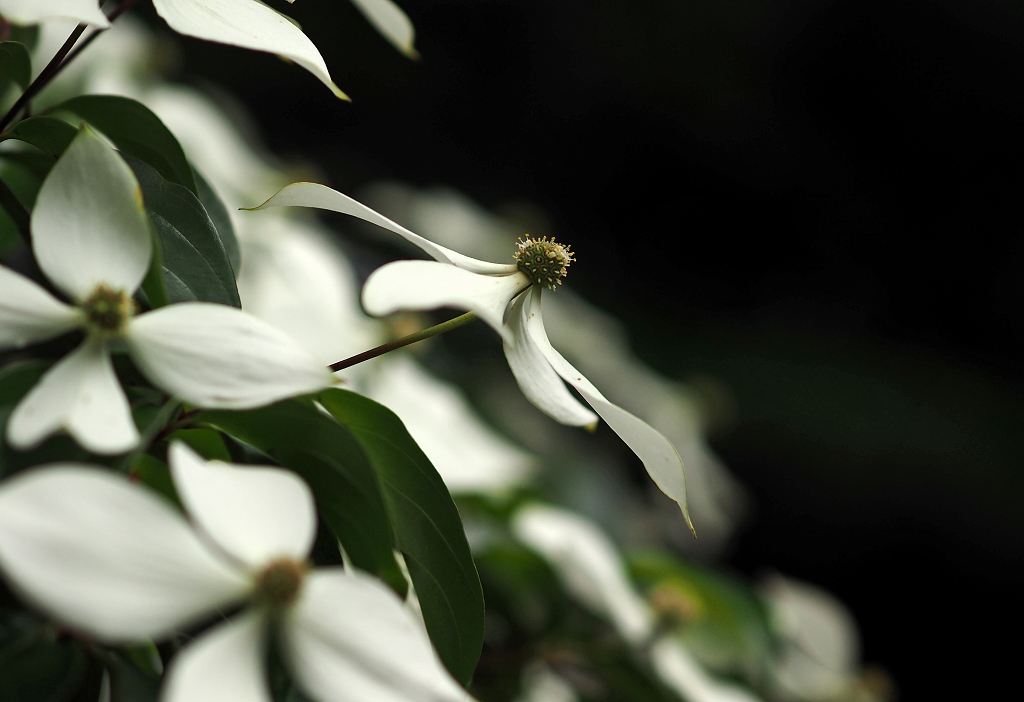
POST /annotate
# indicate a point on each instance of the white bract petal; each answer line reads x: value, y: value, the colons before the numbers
x: 426, y: 285
x: 470, y: 456
x: 89, y: 226
x: 224, y: 663
x: 82, y: 396
x: 535, y: 376
x: 680, y: 671
x: 248, y: 24
x: 390, y: 21
x: 29, y: 314
x: 217, y: 356
x: 322, y: 197
x: 255, y: 513
x: 588, y: 564
x: 34, y: 11
x: 107, y: 557
x: 350, y: 639
x: 659, y: 456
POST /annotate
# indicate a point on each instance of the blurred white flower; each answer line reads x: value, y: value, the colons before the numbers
x: 677, y: 668
x: 34, y: 11
x: 393, y: 24
x: 508, y: 297
x: 91, y: 238
x: 541, y: 684
x: 470, y: 457
x: 115, y: 561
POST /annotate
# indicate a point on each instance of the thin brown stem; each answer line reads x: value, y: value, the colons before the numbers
x: 404, y: 341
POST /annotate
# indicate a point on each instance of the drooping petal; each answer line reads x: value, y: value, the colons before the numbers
x: 538, y: 381
x: 322, y: 197
x: 350, y: 639
x: 680, y: 671
x: 426, y: 285
x: 108, y: 557
x: 217, y: 356
x: 588, y: 564
x: 225, y: 663
x: 28, y: 313
x: 82, y: 396
x: 89, y: 226
x: 255, y: 513
x: 659, y: 456
x: 248, y: 24
x: 34, y: 11
x: 390, y: 21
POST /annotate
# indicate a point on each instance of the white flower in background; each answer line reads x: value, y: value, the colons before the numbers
x: 508, y: 297
x: 393, y: 24
x: 819, y: 657
x: 116, y: 561
x: 91, y: 238
x: 470, y: 457
x: 541, y: 684
x: 34, y: 11
x: 592, y: 571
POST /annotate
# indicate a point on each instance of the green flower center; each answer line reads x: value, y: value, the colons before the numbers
x: 279, y: 583
x: 544, y: 262
x: 108, y: 310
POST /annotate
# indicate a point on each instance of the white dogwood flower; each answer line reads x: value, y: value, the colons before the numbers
x: 508, y: 298
x: 91, y: 238
x: 113, y: 560
x: 34, y: 11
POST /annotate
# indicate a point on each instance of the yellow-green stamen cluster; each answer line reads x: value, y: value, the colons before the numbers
x: 108, y: 310
x: 279, y: 583
x: 544, y: 262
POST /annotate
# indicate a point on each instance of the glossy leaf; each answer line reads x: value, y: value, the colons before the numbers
x: 15, y: 64
x: 221, y: 220
x: 428, y: 528
x: 196, y: 265
x: 298, y: 436
x: 48, y: 134
x: 206, y: 442
x: 135, y: 130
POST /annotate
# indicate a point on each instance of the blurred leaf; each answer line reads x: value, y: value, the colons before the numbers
x: 27, y: 35
x: 48, y: 134
x: 429, y: 529
x: 135, y: 130
x: 298, y: 436
x: 221, y: 220
x: 206, y: 442
x: 128, y: 683
x: 34, y: 665
x: 154, y: 473
x: 15, y: 65
x: 196, y: 265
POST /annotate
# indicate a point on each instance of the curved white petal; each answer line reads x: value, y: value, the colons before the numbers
x: 217, y: 356
x: 538, y: 381
x: 470, y: 456
x: 255, y: 513
x: 390, y: 21
x: 82, y: 396
x: 29, y: 314
x: 223, y: 664
x: 588, y: 564
x: 322, y: 197
x: 108, y: 557
x: 89, y: 226
x: 680, y: 671
x: 34, y: 11
x: 659, y: 456
x: 248, y: 24
x: 350, y: 639
x: 426, y: 285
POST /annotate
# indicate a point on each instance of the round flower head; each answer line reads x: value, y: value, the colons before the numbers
x: 545, y: 262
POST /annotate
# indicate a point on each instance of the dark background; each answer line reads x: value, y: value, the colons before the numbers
x: 815, y: 203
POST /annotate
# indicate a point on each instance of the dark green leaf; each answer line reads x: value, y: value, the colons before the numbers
x: 195, y: 262
x: 299, y: 437
x: 49, y: 134
x: 15, y: 64
x: 428, y: 527
x: 221, y: 220
x: 206, y: 442
x: 34, y: 665
x: 154, y: 473
x: 137, y: 131
x: 128, y: 683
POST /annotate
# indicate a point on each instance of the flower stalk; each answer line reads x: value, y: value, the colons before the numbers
x: 435, y: 330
